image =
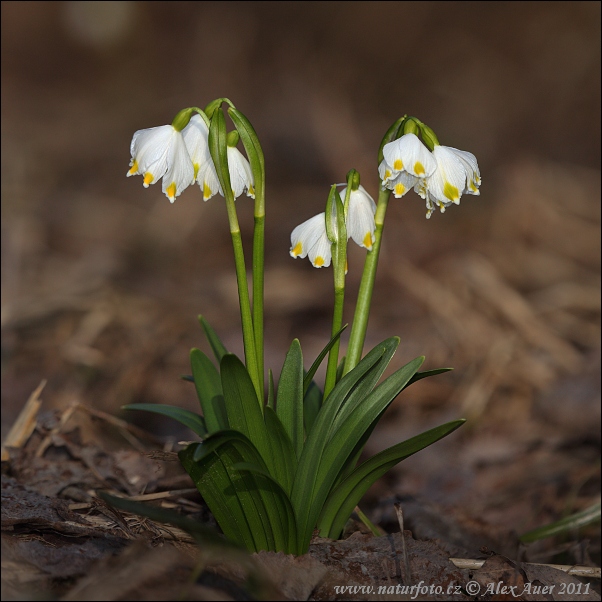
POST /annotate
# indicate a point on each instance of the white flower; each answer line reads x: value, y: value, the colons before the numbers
x: 160, y: 152
x: 405, y: 161
x: 196, y: 137
x: 241, y: 176
x: 457, y: 173
x: 309, y: 238
x: 360, y: 217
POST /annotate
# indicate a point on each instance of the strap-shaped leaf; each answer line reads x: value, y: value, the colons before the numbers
x: 209, y: 391
x: 425, y: 374
x: 284, y: 459
x: 189, y: 419
x: 302, y: 496
x: 235, y: 507
x: 312, y: 402
x: 219, y: 350
x: 351, y: 429
x: 249, y: 505
x: 289, y: 400
x: 364, y: 388
x: 346, y: 496
x: 341, y: 444
x: 308, y: 378
x: 271, y: 394
x: 245, y: 416
x: 351, y: 463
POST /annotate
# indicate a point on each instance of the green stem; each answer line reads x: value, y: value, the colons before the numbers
x: 243, y: 296
x: 337, y: 323
x: 364, y: 298
x: 335, y: 207
x: 258, y: 285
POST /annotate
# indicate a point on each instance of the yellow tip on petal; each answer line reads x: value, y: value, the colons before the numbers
x: 207, y: 193
x: 319, y: 261
x: 398, y: 165
x: 418, y: 168
x: 368, y: 241
x: 451, y: 192
x: 399, y: 190
x: 196, y: 167
x: 387, y: 174
x: 148, y: 179
x: 133, y: 169
x: 297, y: 250
x: 170, y: 191
x: 251, y: 191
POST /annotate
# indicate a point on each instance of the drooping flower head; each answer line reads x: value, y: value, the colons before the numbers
x: 239, y: 169
x: 161, y: 152
x: 310, y: 238
x: 179, y: 154
x: 440, y: 175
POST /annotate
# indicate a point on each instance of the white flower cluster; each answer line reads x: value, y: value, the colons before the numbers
x: 440, y: 177
x: 183, y: 158
x: 310, y: 238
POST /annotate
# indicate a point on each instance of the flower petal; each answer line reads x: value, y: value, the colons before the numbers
x: 307, y: 234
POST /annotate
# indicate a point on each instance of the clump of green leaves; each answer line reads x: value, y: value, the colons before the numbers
x: 273, y: 473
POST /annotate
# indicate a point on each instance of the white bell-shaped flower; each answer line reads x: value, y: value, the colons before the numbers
x: 457, y: 173
x: 196, y: 137
x: 310, y: 239
x: 360, y: 217
x: 410, y: 155
x: 241, y: 175
x: 161, y: 152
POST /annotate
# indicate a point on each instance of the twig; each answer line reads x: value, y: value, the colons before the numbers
x: 407, y: 578
x: 593, y: 572
x: 25, y: 423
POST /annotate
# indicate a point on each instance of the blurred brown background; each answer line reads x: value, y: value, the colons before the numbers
x: 102, y: 280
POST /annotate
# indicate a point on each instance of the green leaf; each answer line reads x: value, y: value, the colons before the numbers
x: 243, y: 409
x: 312, y: 402
x: 219, y: 350
x: 420, y: 375
x: 232, y: 498
x: 346, y: 496
x: 271, y: 394
x: 246, y: 417
x: 357, y: 452
x: 307, y: 380
x: 282, y: 453
x: 250, y: 507
x: 289, y: 400
x: 209, y: 391
x: 189, y: 419
x: 340, y: 368
x: 564, y: 525
x: 351, y: 429
x: 303, y: 497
